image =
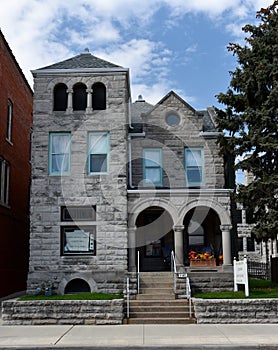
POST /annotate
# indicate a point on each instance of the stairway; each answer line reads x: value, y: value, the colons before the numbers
x: 157, y: 303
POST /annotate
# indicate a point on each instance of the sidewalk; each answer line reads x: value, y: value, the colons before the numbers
x: 193, y: 336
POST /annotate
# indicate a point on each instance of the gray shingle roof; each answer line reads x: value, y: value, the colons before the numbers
x: 84, y: 60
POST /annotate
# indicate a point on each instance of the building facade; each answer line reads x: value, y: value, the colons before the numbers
x: 16, y: 98
x: 113, y: 181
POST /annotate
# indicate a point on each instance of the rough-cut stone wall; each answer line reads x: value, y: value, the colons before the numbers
x: 236, y: 310
x: 173, y: 140
x: 41, y: 312
x: 105, y: 270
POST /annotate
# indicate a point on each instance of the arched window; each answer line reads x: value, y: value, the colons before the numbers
x: 99, y: 96
x: 60, y: 97
x: 79, y: 97
x: 77, y: 285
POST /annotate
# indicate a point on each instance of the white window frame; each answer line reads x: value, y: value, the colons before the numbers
x: 146, y: 181
x: 187, y: 167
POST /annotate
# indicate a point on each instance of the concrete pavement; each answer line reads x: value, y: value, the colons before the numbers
x: 193, y: 336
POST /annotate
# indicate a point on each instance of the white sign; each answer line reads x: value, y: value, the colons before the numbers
x: 241, y: 275
x: 77, y: 240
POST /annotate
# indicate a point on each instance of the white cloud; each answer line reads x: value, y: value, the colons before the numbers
x: 41, y: 32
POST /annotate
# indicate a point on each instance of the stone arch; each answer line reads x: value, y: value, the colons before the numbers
x: 77, y: 285
x: 221, y: 211
x: 87, y: 278
x: 140, y: 206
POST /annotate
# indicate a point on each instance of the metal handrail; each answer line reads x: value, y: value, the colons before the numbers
x: 187, y: 282
x: 188, y: 294
x: 127, y: 297
x: 174, y: 268
x: 138, y: 272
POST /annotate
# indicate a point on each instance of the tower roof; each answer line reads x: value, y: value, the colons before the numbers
x: 82, y: 61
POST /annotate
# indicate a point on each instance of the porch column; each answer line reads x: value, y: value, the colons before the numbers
x: 274, y: 244
x: 69, y: 107
x: 131, y: 249
x: 226, y: 243
x: 179, y: 249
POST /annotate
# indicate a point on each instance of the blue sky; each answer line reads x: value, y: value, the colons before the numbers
x: 168, y: 45
x: 178, y: 45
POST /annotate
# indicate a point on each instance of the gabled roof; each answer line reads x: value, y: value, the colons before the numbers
x: 83, y: 61
x: 165, y: 98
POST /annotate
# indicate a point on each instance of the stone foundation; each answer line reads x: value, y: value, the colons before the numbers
x: 236, y: 310
x: 76, y: 312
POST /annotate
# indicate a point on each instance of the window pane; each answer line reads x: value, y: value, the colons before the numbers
x: 78, y: 240
x: 60, y: 153
x: 193, y: 157
x: 194, y: 175
x: 153, y: 175
x: 152, y: 157
x: 98, y: 163
x: 98, y: 143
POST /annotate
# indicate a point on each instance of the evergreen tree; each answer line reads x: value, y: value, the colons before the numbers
x: 250, y: 119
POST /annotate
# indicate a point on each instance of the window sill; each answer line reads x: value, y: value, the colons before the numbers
x: 5, y: 205
x: 9, y: 141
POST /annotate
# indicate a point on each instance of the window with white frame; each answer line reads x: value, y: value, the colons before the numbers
x: 98, y: 153
x: 59, y: 153
x: 152, y: 166
x: 4, y: 181
x: 9, y: 121
x: 194, y: 164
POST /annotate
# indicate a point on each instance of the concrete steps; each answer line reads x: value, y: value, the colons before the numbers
x: 157, y: 303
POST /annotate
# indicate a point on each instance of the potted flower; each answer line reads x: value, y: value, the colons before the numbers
x: 201, y: 259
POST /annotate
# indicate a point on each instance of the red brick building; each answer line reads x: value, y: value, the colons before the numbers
x: 16, y: 98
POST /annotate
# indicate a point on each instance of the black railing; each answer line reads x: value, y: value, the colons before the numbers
x: 259, y: 270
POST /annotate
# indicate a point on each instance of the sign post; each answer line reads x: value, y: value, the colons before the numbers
x: 241, y: 275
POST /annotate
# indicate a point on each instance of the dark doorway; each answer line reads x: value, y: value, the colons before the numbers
x: 202, y: 232
x: 154, y: 239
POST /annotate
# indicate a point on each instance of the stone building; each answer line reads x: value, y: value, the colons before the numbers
x: 16, y: 99
x: 113, y: 178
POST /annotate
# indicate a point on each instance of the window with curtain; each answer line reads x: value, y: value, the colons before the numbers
x: 59, y: 154
x: 98, y: 153
x: 152, y: 166
x: 194, y: 163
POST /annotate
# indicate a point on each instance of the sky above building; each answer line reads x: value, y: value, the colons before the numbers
x: 178, y: 45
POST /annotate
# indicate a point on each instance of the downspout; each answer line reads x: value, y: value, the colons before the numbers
x: 139, y: 134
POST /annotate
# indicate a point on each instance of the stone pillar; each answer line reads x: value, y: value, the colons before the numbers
x: 69, y: 107
x: 89, y: 100
x: 226, y: 244
x: 179, y: 248
x: 132, y: 249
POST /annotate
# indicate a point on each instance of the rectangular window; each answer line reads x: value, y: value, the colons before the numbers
x: 152, y: 166
x: 77, y: 240
x: 194, y: 164
x: 78, y: 213
x: 59, y: 153
x: 4, y: 181
x: 9, y: 121
x: 98, y: 153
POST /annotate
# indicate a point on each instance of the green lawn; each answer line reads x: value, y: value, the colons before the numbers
x: 79, y: 296
x: 257, y: 289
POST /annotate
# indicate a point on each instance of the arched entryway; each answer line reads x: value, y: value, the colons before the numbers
x: 202, y: 233
x: 154, y: 239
